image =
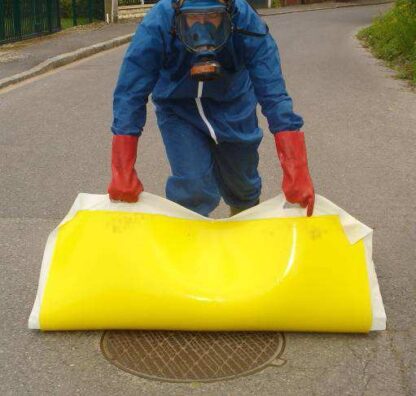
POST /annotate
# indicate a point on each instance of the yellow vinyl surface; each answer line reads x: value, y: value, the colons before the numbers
x: 119, y: 270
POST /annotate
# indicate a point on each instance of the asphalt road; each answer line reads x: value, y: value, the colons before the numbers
x: 360, y: 125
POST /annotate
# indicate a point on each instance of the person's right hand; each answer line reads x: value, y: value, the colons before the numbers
x: 125, y: 185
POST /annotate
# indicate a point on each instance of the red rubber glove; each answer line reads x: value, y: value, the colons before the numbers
x: 297, y: 183
x: 125, y: 185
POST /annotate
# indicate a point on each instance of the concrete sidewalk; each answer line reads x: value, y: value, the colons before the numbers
x: 21, y: 56
x: 25, y: 59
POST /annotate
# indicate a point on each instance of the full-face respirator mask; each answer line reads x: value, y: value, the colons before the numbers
x: 203, y: 26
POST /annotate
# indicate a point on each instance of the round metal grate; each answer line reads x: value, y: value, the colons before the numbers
x: 192, y: 356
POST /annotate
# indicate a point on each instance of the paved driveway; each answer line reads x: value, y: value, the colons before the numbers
x: 360, y: 125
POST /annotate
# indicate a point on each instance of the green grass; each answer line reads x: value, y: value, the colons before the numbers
x: 392, y: 37
x: 68, y: 22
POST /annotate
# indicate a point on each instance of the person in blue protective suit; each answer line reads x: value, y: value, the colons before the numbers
x: 207, y: 64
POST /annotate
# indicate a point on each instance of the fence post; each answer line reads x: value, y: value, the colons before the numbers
x: 58, y: 14
x: 111, y: 8
x: 90, y: 11
x: 74, y: 12
x: 49, y: 11
x: 16, y: 19
x: 37, y: 16
x: 2, y: 22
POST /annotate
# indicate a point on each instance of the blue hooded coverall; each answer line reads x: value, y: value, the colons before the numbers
x: 210, y: 129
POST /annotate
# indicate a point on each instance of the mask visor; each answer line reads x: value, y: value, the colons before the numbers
x: 203, y: 30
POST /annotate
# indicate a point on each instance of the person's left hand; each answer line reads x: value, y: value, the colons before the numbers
x: 297, y: 183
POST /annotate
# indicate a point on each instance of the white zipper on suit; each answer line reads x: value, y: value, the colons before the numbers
x: 202, y: 114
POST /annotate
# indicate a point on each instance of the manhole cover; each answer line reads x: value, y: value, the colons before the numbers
x: 192, y: 356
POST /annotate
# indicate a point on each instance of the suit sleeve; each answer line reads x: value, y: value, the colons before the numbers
x: 138, y: 76
x: 263, y: 63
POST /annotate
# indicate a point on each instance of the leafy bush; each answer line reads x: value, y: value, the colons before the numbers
x: 66, y: 8
x: 393, y: 37
x: 81, y: 7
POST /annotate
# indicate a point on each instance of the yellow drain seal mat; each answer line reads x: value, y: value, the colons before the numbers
x: 113, y: 269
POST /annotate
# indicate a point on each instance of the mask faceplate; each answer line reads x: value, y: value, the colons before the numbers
x: 205, y: 30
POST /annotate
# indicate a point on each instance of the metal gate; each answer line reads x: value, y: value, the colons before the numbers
x: 21, y: 19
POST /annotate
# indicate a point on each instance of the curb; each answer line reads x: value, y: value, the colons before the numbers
x: 70, y: 57
x: 64, y: 59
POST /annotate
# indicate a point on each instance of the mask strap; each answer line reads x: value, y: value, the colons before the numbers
x: 176, y: 5
x: 232, y: 9
x: 253, y: 34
